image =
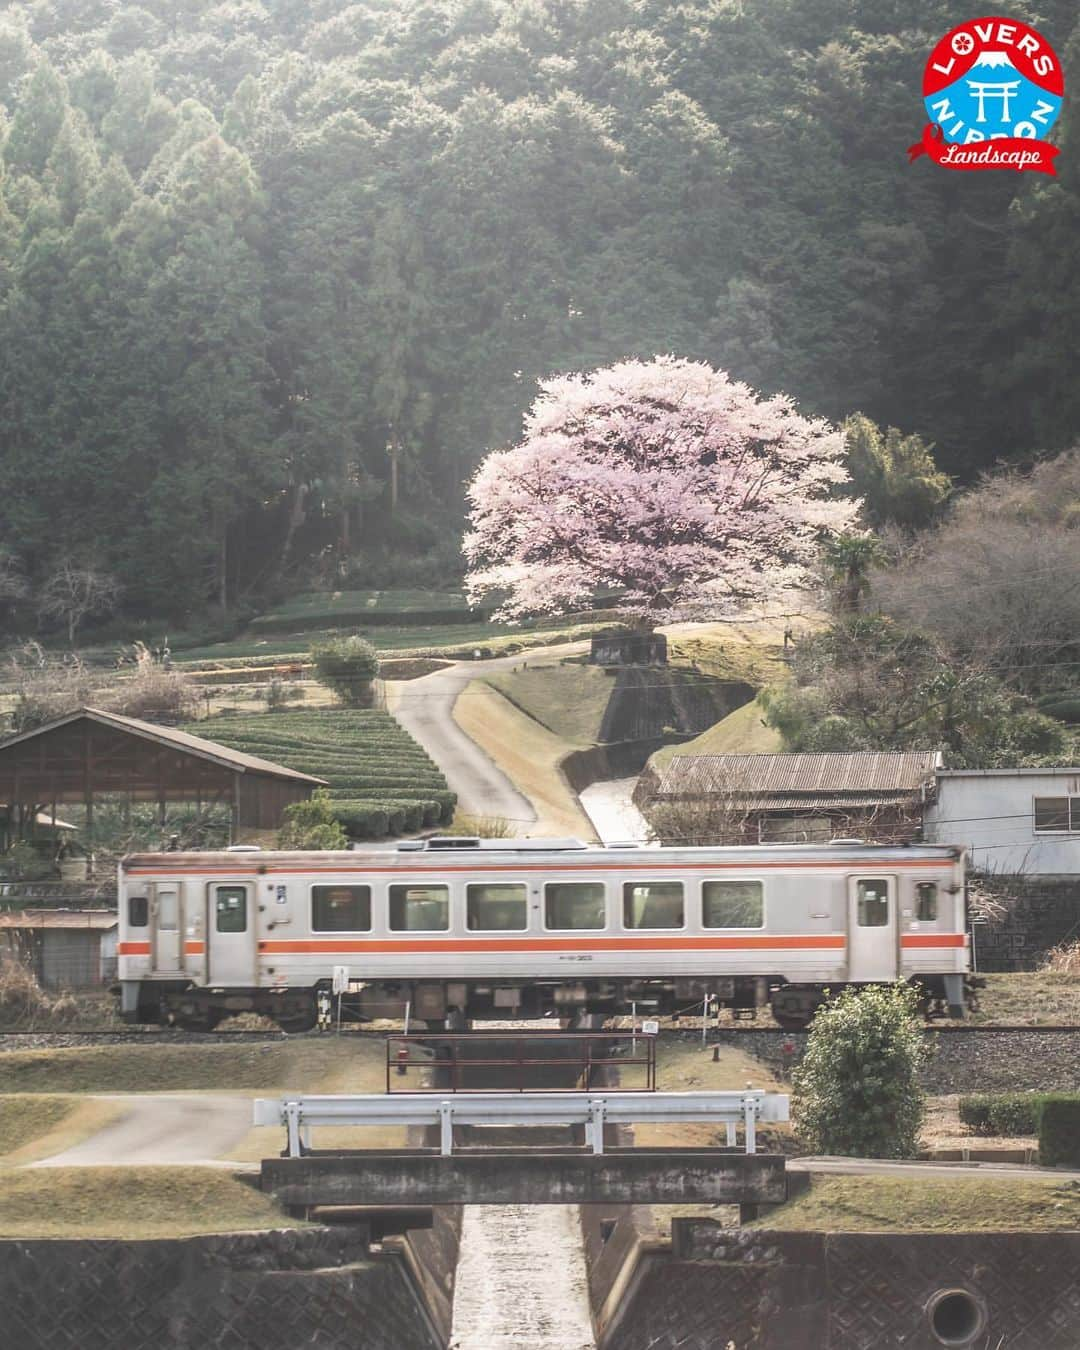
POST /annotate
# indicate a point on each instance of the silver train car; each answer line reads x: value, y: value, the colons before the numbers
x: 463, y: 929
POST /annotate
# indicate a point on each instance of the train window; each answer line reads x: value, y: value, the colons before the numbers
x: 652, y: 904
x: 733, y: 904
x: 873, y: 903
x: 575, y: 904
x: 341, y: 909
x: 231, y: 909
x: 138, y: 911
x: 926, y: 901
x: 496, y: 907
x: 419, y: 909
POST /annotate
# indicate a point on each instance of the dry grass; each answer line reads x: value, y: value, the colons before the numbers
x: 687, y: 1066
x: 348, y: 1063
x: 1064, y: 960
x: 1036, y: 998
x: 868, y: 1204
x: 529, y: 755
x: 569, y: 700
x: 40, y: 1126
x: 153, y: 1202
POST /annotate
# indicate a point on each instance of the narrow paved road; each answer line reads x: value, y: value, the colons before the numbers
x: 160, y: 1128
x: 425, y: 708
x: 920, y: 1171
x: 521, y: 1281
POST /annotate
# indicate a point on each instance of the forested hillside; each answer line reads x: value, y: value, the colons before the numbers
x: 273, y: 276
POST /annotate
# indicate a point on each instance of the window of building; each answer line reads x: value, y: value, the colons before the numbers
x: 926, y: 901
x: 733, y: 904
x: 231, y: 909
x: 1057, y: 815
x: 795, y: 829
x: 138, y: 911
x: 574, y: 904
x: 341, y: 909
x: 653, y: 904
x: 419, y: 909
x: 873, y: 903
x: 493, y: 907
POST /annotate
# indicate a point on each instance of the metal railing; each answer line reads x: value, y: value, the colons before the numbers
x: 299, y: 1115
x: 443, y: 1061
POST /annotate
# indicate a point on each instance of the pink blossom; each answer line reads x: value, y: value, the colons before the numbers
x: 666, y: 480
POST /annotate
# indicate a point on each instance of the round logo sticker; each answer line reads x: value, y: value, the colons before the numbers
x: 992, y: 90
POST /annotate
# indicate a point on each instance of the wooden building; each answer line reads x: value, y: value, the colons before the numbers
x: 64, y: 948
x: 802, y: 798
x: 92, y: 754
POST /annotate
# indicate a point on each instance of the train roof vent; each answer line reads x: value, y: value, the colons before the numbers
x: 448, y: 841
x: 848, y: 841
x: 244, y: 848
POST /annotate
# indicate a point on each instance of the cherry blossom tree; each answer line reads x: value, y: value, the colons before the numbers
x: 666, y: 480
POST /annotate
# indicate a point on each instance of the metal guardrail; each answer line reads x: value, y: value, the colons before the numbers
x: 594, y: 1110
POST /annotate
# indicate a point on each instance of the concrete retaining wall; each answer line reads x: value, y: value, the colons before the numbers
x: 1039, y: 913
x: 758, y: 1290
x: 277, y: 1290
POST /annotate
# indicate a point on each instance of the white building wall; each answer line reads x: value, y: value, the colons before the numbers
x: 991, y: 812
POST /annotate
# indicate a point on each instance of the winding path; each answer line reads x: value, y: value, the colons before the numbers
x: 425, y: 708
x: 162, y: 1128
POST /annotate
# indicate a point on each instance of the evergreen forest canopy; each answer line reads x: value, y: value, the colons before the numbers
x: 275, y: 276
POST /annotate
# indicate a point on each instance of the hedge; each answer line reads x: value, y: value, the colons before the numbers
x: 1003, y: 1113
x: 380, y: 780
x: 1059, y: 1130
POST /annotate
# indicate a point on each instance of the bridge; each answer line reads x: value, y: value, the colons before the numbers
x: 446, y: 1172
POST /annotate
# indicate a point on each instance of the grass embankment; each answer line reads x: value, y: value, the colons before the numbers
x: 152, y: 1202
x: 877, y: 1204
x: 349, y: 1063
x: 380, y: 780
x: 1036, y: 998
x: 35, y: 1126
x: 529, y: 755
x: 454, y: 641
x: 567, y: 700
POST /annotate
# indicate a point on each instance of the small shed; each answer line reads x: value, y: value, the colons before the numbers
x: 65, y: 948
x: 89, y: 754
x: 799, y: 798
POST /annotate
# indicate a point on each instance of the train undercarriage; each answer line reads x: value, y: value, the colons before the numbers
x: 452, y: 1004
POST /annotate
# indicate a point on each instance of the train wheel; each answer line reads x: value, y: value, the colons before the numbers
x: 792, y: 1021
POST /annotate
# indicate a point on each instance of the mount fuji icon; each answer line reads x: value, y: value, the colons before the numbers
x: 992, y: 98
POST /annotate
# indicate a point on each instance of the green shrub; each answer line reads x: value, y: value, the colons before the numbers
x: 1063, y: 710
x: 857, y: 1090
x: 347, y: 665
x: 362, y: 820
x: 1002, y: 1113
x: 312, y: 825
x: 1059, y: 1130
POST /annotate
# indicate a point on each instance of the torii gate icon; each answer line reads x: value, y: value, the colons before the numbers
x: 1002, y: 89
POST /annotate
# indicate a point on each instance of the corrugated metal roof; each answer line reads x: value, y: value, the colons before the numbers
x: 181, y: 740
x: 855, y: 778
x: 97, y: 919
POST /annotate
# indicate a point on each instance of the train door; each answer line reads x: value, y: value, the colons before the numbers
x: 166, y: 916
x: 230, y: 936
x: 872, y: 932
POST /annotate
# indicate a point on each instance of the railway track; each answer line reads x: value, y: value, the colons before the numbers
x: 172, y: 1036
